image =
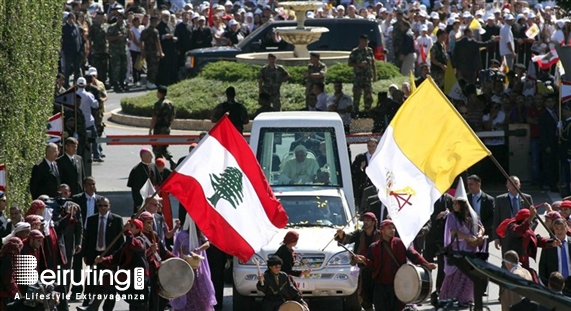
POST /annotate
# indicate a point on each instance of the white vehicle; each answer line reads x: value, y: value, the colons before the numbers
x: 318, y: 201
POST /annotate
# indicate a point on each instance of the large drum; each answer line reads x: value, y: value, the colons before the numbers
x: 175, y: 277
x: 413, y: 284
x: 292, y: 306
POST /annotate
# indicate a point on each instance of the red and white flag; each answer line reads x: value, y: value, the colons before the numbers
x: 565, y: 91
x: 545, y: 61
x: 55, y: 125
x: 225, y: 191
x: 3, y: 177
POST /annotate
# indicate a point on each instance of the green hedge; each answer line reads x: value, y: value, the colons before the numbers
x: 195, y: 98
x: 28, y: 62
x: 232, y: 72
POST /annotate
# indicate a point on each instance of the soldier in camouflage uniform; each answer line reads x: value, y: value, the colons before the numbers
x: 362, y: 60
x: 117, y: 36
x: 316, y: 71
x: 151, y: 51
x: 163, y: 116
x: 99, y: 58
x: 270, y: 80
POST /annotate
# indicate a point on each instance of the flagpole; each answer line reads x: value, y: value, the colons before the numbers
x: 345, y: 226
x: 75, y: 107
x: 499, y: 166
x: 139, y: 211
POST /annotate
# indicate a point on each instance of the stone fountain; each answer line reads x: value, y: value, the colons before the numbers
x: 300, y: 37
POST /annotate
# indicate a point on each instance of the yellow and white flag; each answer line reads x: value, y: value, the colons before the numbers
x: 532, y: 31
x: 412, y: 82
x: 418, y: 158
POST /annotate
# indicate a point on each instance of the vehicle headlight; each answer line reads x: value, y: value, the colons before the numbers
x: 251, y: 262
x: 190, y: 62
x: 340, y: 259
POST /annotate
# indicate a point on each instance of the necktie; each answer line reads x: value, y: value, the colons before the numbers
x: 54, y: 169
x: 515, y: 208
x: 564, y: 260
x: 100, y: 237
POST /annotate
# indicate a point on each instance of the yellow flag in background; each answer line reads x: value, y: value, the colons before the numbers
x: 449, y: 78
x: 412, y: 83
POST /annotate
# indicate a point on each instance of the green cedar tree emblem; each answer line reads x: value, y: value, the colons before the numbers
x: 49, y: 126
x: 227, y: 186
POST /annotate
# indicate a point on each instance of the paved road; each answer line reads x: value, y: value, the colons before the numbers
x: 112, y: 176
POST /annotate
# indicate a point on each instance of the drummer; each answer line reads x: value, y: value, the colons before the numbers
x: 131, y: 255
x: 276, y: 286
x: 362, y: 239
x: 156, y: 252
x: 385, y: 257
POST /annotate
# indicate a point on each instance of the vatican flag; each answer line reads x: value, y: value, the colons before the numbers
x: 425, y: 147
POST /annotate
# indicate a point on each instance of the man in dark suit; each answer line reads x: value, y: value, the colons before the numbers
x: 87, y: 202
x: 547, y: 123
x: 482, y: 203
x: 100, y: 231
x: 139, y: 174
x: 71, y: 45
x: 507, y: 206
x: 435, y: 236
x: 360, y: 179
x: 45, y: 174
x: 159, y: 224
x: 557, y: 258
x: 466, y: 57
x: 70, y: 167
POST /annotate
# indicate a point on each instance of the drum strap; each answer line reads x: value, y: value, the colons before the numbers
x: 388, y: 249
x: 148, y: 244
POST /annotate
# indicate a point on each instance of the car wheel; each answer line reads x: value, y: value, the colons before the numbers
x: 351, y: 303
x: 240, y: 302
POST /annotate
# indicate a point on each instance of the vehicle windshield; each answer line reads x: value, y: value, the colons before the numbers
x: 248, y: 38
x: 311, y: 211
x: 300, y: 156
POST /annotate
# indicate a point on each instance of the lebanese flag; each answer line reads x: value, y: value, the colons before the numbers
x: 565, y: 91
x: 545, y: 61
x: 66, y: 99
x: 3, y: 177
x: 55, y: 125
x: 225, y: 191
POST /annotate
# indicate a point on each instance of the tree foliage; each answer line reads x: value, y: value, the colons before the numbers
x: 30, y: 32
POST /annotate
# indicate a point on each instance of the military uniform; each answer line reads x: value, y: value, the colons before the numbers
x: 99, y: 57
x: 164, y: 113
x: 150, y: 37
x: 363, y: 77
x: 272, y: 79
x: 118, y: 52
x: 309, y: 81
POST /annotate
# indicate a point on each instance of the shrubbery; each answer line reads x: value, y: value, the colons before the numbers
x: 28, y: 61
x: 232, y: 72
x: 195, y: 98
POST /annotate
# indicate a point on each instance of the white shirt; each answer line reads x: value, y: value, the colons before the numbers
x: 101, y: 218
x: 321, y: 102
x: 137, y: 34
x: 507, y: 38
x: 558, y: 37
x: 425, y: 41
x: 90, y: 207
x: 88, y: 102
x: 343, y: 103
x: 564, y: 243
x: 496, y: 141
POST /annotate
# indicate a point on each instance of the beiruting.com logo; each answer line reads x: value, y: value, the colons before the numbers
x: 25, y: 273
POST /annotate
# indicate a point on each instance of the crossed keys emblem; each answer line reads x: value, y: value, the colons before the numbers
x: 402, y: 196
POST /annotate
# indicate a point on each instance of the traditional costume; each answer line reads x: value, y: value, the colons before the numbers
x: 277, y: 288
x: 131, y: 255
x: 286, y: 254
x: 522, y: 239
x: 8, y: 287
x: 154, y: 259
x: 201, y: 296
